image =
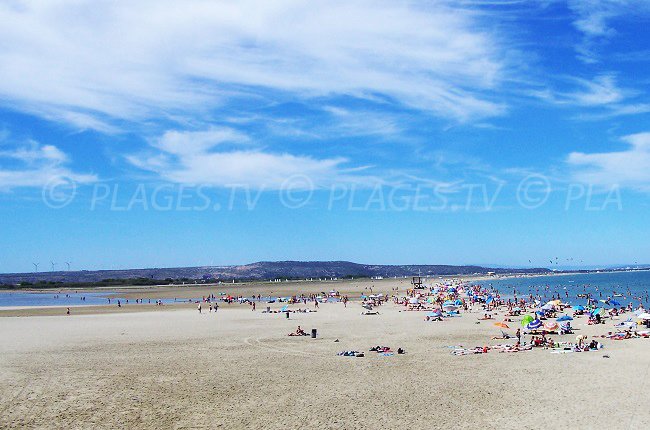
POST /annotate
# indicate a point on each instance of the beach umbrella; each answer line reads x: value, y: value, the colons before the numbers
x: 579, y: 308
x: 564, y: 318
x: 284, y: 308
x: 551, y: 326
x: 489, y: 300
x: 614, y: 302
x: 526, y: 319
x: 534, y: 325
x: 644, y: 316
x: 501, y: 324
x: 597, y: 311
x: 548, y: 307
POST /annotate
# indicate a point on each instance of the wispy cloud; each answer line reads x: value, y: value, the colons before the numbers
x: 148, y: 59
x: 629, y: 168
x: 34, y: 165
x: 599, y: 91
x: 602, y: 95
x: 224, y: 157
x: 593, y: 18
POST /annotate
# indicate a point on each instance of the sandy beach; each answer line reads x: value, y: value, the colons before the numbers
x: 170, y: 367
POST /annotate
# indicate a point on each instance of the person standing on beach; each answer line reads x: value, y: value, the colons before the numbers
x: 216, y: 306
x: 253, y: 306
x: 199, y: 307
x: 67, y: 312
x: 518, y: 334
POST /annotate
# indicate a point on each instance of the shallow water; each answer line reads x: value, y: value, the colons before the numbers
x: 25, y: 299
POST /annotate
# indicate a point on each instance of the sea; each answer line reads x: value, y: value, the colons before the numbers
x: 622, y: 287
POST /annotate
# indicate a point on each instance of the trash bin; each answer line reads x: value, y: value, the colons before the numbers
x: 313, y: 333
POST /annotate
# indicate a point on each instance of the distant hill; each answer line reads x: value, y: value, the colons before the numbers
x: 260, y: 271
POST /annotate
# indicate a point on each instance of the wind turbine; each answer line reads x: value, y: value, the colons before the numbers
x: 35, y: 267
x: 68, y: 263
x: 53, y: 265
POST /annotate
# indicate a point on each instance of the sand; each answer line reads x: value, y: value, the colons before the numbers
x: 171, y: 367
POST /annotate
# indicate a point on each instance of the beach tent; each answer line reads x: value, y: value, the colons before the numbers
x: 564, y: 318
x: 526, y: 319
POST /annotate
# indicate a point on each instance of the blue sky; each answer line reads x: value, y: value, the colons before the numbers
x: 209, y: 133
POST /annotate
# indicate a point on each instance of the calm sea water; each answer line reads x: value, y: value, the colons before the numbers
x: 600, y: 285
x: 62, y: 299
x: 75, y: 299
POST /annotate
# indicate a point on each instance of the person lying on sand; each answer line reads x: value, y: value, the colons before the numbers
x: 504, y: 336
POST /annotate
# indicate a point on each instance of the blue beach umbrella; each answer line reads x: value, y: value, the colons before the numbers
x: 579, y: 308
x: 489, y: 300
x: 564, y: 318
x: 284, y: 308
x: 534, y: 325
x: 614, y: 302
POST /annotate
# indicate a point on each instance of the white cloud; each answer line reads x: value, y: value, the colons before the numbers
x: 90, y: 64
x: 601, y: 95
x: 629, y: 168
x: 35, y: 165
x: 594, y: 20
x: 197, y: 158
x: 601, y: 90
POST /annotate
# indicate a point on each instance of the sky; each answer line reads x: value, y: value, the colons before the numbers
x: 164, y: 133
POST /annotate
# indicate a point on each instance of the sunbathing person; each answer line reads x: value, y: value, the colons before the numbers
x: 298, y: 332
